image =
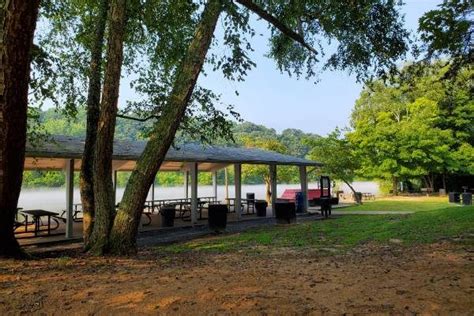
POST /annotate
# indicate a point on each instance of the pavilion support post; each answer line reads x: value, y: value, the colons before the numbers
x: 186, y: 184
x: 238, y: 190
x: 304, y: 187
x: 273, y: 180
x: 153, y: 194
x: 194, y: 193
x: 114, y: 180
x: 214, y: 183
x: 69, y: 198
x: 226, y: 180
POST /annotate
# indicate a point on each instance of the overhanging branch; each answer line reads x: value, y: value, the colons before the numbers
x: 249, y: 4
x: 138, y: 118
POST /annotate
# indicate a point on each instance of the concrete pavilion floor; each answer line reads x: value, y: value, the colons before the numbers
x: 58, y: 235
x: 170, y: 234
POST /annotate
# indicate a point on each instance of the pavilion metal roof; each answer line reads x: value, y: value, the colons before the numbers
x: 54, y: 152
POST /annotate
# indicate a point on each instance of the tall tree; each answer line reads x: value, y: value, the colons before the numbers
x: 338, y: 157
x: 93, y: 111
x: 125, y: 228
x: 18, y: 20
x: 407, y: 130
x: 102, y: 166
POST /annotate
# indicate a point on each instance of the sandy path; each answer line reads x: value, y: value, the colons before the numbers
x: 371, y: 279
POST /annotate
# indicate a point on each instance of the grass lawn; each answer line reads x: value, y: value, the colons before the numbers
x: 403, y: 204
x: 437, y: 221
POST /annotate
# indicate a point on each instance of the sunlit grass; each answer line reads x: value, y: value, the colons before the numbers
x: 403, y: 204
x: 342, y: 233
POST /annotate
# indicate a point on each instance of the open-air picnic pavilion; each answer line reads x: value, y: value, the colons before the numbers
x: 65, y: 153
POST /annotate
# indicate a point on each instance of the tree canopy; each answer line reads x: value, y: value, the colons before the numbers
x: 337, y: 155
x: 417, y: 129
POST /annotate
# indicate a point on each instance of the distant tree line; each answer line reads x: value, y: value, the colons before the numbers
x: 415, y: 131
x: 245, y: 134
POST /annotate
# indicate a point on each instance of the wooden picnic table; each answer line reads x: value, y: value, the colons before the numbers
x: 37, y: 214
x: 183, y: 204
x: 368, y: 196
x: 77, y: 209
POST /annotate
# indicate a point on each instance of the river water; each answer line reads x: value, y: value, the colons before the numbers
x: 54, y: 199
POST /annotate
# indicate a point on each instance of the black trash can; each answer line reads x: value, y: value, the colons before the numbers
x: 326, y: 206
x: 261, y: 207
x: 466, y: 198
x: 285, y: 212
x: 359, y: 196
x: 167, y: 215
x: 299, y: 199
x: 454, y: 197
x: 250, y: 203
x: 217, y: 217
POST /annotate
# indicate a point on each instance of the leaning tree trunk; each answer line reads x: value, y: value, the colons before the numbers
x: 357, y: 197
x: 18, y: 19
x: 268, y: 190
x: 103, y: 187
x: 93, y: 111
x: 125, y: 228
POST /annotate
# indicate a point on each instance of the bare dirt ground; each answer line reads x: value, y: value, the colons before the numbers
x: 371, y: 279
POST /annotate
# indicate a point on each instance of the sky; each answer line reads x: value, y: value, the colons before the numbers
x: 278, y: 101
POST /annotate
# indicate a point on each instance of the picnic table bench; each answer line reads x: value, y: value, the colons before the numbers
x: 368, y: 196
x: 183, y: 206
x: 37, y: 216
x: 250, y: 203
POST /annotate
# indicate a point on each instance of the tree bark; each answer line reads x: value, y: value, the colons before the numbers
x: 268, y: 190
x: 395, y: 186
x: 93, y: 111
x: 18, y: 19
x: 125, y: 228
x: 103, y: 186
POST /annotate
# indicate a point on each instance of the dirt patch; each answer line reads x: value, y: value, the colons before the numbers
x: 372, y: 279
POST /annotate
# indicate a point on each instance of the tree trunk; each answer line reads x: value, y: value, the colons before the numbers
x: 357, y: 198
x: 428, y: 183
x: 93, y: 111
x: 103, y: 186
x: 395, y: 186
x: 268, y: 191
x: 125, y: 228
x: 18, y: 19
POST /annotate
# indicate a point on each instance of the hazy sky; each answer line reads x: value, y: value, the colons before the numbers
x: 275, y: 100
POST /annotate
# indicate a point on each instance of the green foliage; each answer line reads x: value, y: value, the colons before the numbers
x: 368, y: 34
x: 417, y: 128
x: 43, y: 179
x: 152, y: 52
x: 54, y: 122
x: 337, y: 155
x: 346, y: 232
x: 249, y: 172
x: 448, y: 32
